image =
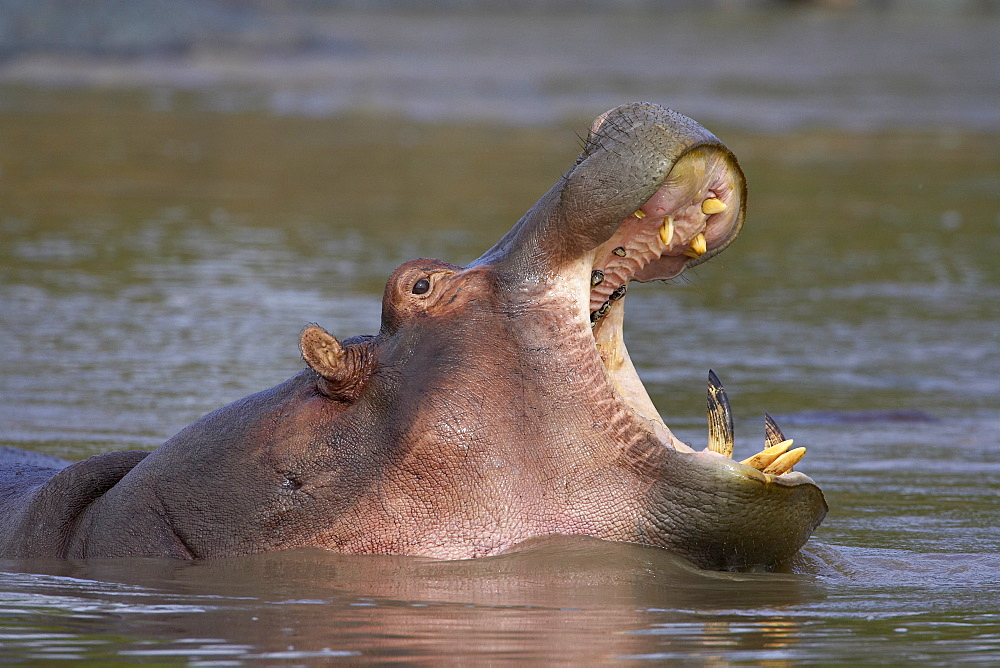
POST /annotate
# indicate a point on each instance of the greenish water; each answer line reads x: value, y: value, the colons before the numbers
x: 160, y: 252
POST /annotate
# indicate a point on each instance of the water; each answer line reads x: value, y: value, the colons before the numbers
x: 563, y: 600
x: 165, y: 236
x: 924, y: 63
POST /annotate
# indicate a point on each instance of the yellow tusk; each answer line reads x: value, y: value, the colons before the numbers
x: 699, y: 245
x: 667, y: 230
x: 713, y: 205
x: 639, y: 213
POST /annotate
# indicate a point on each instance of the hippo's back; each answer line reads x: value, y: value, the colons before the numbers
x: 22, y: 472
x: 41, y: 497
x: 9, y: 455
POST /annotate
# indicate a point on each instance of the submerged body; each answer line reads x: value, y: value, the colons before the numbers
x: 497, y: 403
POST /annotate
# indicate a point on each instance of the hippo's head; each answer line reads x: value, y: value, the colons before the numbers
x: 497, y: 402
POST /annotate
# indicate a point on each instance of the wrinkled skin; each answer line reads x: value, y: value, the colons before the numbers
x: 488, y: 409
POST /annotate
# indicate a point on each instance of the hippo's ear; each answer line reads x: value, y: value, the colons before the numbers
x: 344, y: 370
x: 322, y: 351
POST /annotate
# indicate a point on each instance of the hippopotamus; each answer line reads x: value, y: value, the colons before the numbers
x: 497, y: 403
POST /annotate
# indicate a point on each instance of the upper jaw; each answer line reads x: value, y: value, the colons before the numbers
x: 696, y: 212
x: 631, y: 152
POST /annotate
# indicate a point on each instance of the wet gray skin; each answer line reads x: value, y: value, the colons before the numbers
x: 497, y: 403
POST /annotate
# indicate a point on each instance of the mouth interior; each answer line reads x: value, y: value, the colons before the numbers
x: 694, y: 214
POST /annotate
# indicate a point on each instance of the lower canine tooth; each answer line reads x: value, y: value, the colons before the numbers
x: 772, y: 432
x: 639, y: 213
x: 698, y: 246
x: 713, y: 205
x: 667, y: 230
x: 720, y: 418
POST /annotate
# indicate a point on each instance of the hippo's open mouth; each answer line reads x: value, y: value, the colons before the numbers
x: 695, y: 213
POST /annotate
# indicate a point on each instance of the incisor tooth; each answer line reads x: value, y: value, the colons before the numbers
x: 639, y: 213
x: 667, y: 230
x: 698, y: 246
x: 713, y: 205
x: 785, y: 462
x: 765, y: 457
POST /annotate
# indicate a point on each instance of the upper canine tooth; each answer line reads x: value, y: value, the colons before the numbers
x: 639, y: 213
x: 713, y: 205
x: 698, y: 246
x: 720, y: 418
x: 620, y: 251
x: 667, y: 230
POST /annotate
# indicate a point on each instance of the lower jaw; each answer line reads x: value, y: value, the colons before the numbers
x: 773, y: 463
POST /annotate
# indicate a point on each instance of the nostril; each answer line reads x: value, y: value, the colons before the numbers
x: 421, y: 286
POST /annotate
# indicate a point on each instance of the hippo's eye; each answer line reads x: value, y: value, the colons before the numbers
x: 421, y: 286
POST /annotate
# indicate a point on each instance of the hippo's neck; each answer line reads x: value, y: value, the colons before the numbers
x: 519, y: 432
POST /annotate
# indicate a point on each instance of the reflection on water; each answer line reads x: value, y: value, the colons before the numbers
x: 560, y: 599
x: 160, y: 252
x: 579, y: 598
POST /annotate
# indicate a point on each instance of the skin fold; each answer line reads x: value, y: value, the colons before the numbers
x: 496, y: 403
